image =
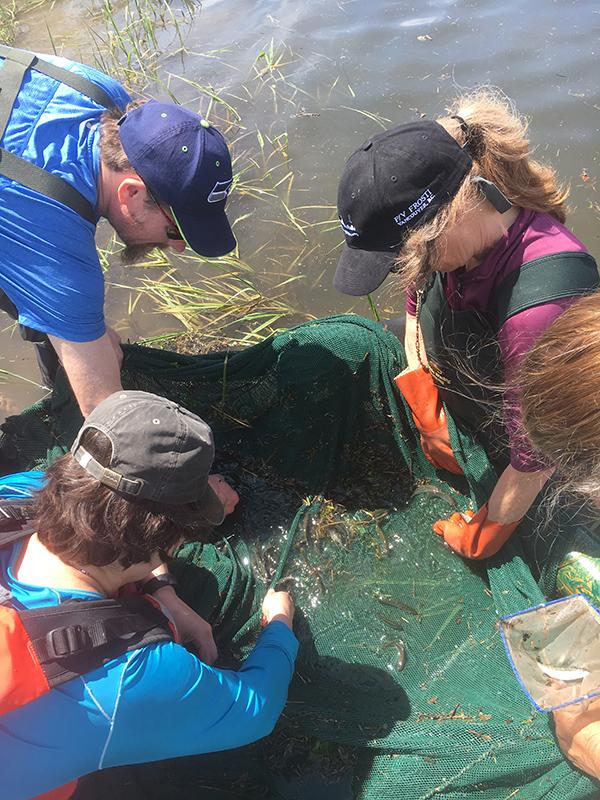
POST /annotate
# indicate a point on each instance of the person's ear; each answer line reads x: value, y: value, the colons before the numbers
x: 132, y: 195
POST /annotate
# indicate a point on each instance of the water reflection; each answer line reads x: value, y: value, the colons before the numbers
x: 347, y: 65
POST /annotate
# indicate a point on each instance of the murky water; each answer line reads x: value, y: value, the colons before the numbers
x: 341, y: 62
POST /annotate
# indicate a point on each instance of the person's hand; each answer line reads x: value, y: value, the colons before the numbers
x: 115, y: 341
x: 474, y: 536
x: 278, y: 606
x: 190, y: 626
x: 226, y: 493
x: 578, y: 734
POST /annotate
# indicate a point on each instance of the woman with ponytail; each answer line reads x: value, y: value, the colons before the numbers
x: 472, y: 227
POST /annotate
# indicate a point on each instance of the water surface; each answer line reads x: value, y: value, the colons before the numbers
x: 342, y: 61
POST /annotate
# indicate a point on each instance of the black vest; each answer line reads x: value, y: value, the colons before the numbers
x: 462, y: 346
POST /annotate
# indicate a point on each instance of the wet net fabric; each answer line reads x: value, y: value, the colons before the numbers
x: 402, y: 688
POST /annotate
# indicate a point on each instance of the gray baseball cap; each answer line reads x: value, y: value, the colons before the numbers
x: 160, y: 452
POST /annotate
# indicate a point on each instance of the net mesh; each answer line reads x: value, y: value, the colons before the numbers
x: 402, y: 688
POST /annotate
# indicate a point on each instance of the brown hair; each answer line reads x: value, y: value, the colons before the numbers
x: 497, y: 140
x: 83, y: 522
x: 560, y: 380
x: 111, y: 149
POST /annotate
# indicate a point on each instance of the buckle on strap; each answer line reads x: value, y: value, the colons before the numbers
x: 69, y: 641
x: 75, y: 640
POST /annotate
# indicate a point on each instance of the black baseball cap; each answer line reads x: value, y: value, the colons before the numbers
x: 395, y: 182
x: 160, y: 451
x: 185, y: 162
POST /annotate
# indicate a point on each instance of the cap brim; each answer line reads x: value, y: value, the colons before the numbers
x: 208, y: 235
x: 209, y: 508
x: 360, y: 272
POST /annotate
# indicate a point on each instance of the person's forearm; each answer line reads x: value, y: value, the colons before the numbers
x: 202, y: 709
x: 410, y: 344
x: 265, y: 676
x: 514, y: 494
x: 93, y: 369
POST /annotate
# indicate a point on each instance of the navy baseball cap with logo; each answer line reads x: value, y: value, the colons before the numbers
x: 392, y: 184
x: 185, y: 162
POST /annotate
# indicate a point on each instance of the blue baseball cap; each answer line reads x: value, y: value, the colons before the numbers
x: 185, y: 162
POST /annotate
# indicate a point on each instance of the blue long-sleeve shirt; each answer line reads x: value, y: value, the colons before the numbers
x: 153, y: 703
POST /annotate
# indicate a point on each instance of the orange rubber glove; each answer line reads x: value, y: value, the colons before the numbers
x: 477, y: 537
x: 423, y: 398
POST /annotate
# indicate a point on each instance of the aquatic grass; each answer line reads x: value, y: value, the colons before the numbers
x: 8, y: 22
x: 378, y: 119
x: 10, y: 11
x: 129, y: 48
x: 270, y: 61
x: 373, y: 308
x: 208, y: 91
x: 267, y: 69
x: 231, y: 299
x: 6, y: 375
x: 223, y: 306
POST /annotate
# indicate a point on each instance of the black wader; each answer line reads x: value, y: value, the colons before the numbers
x: 462, y: 346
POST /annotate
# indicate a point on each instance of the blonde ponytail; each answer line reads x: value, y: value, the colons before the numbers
x: 496, y: 135
x: 501, y: 151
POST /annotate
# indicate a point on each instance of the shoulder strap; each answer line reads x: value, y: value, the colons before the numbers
x: 34, y: 177
x: 18, y: 169
x: 546, y: 279
x: 16, y: 518
x: 12, y: 76
x: 76, y: 637
x: 72, y: 79
x: 16, y: 522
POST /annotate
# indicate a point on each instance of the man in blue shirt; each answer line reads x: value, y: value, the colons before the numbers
x: 136, y: 480
x: 73, y: 148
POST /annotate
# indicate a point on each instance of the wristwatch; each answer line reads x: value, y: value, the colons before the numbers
x: 157, y: 582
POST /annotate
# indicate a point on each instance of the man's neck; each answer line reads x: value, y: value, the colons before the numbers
x: 105, y: 183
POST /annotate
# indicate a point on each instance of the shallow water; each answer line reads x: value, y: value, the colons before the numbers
x: 345, y: 60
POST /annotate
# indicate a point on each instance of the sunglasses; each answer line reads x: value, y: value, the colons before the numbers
x: 173, y: 231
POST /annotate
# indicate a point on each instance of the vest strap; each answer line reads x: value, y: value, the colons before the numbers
x: 12, y: 77
x: 544, y: 280
x: 18, y: 169
x: 77, y: 636
x: 47, y: 183
x: 77, y: 82
x: 16, y: 520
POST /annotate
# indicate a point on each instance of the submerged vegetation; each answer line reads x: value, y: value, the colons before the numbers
x: 10, y: 10
x: 286, y: 245
x: 233, y: 300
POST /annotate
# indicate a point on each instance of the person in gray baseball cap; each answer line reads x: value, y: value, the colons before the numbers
x: 110, y: 683
x: 159, y: 452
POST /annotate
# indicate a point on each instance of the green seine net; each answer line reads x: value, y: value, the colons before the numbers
x: 402, y: 690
